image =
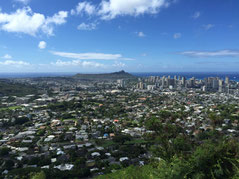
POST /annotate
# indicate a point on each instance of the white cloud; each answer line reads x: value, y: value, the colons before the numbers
x: 196, y: 15
x: 119, y: 65
x: 7, y: 56
x: 14, y: 63
x: 58, y: 19
x: 79, y: 63
x: 42, y: 45
x: 84, y: 7
x: 208, y: 26
x: 110, y: 9
x: 219, y: 53
x: 27, y: 22
x: 90, y: 56
x: 126, y: 59
x: 177, y: 35
x: 113, y: 8
x: 140, y: 34
x: 84, y: 26
x: 23, y: 1
x: 92, y: 64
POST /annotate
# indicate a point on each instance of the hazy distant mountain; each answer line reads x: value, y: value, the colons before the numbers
x: 105, y: 76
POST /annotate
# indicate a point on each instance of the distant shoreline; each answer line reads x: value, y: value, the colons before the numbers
x: 198, y: 75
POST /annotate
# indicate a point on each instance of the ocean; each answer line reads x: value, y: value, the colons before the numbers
x: 198, y: 75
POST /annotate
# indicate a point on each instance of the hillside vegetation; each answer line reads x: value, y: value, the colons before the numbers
x: 210, y: 160
x: 7, y: 88
x: 105, y: 76
x: 176, y: 155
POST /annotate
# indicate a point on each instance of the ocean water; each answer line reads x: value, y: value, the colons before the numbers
x: 198, y: 75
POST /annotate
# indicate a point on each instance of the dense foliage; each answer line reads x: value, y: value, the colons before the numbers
x: 209, y: 160
x: 8, y: 88
x: 178, y: 155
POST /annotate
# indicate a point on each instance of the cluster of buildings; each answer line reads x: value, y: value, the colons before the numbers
x: 86, y: 121
x: 213, y: 84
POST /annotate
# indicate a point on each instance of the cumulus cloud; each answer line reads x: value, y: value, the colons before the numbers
x: 84, y: 26
x: 208, y: 26
x: 177, y: 35
x: 84, y: 7
x: 79, y: 63
x: 110, y: 9
x: 196, y: 15
x: 42, y: 45
x: 219, y: 53
x: 90, y: 56
x: 119, y: 65
x: 113, y: 8
x: 7, y: 56
x: 14, y: 63
x: 26, y: 21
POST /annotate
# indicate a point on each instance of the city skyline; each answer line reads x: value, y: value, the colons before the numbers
x: 106, y: 36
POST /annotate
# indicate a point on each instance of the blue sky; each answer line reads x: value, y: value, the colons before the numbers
x: 111, y: 35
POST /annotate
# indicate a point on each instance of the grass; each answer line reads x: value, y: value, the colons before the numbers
x: 71, y: 119
x: 145, y: 172
x: 107, y: 143
x: 10, y: 108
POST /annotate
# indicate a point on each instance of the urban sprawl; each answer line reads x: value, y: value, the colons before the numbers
x: 82, y: 128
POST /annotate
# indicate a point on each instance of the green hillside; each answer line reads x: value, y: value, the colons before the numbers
x: 105, y: 76
x: 7, y: 88
x: 209, y: 160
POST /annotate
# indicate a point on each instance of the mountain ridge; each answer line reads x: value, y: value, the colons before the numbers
x: 105, y: 76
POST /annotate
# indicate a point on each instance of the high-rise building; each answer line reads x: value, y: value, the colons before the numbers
x: 220, y: 88
x: 175, y: 80
x: 170, y: 82
x: 191, y: 82
x: 152, y: 79
x: 183, y: 81
x: 151, y: 87
x: 204, y: 88
x: 163, y: 82
x: 210, y: 82
x: 121, y: 83
x: 227, y: 80
x: 157, y: 79
x: 215, y: 84
x: 140, y: 85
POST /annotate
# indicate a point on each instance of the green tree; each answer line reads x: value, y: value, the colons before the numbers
x: 4, y: 151
x: 216, y: 160
x: 21, y: 120
x: 40, y: 175
x: 9, y: 164
x: 121, y: 138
